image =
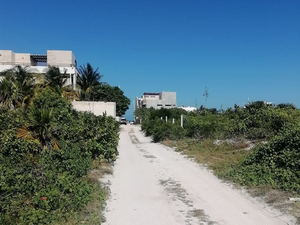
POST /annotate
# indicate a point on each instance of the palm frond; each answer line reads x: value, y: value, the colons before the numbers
x: 25, y: 133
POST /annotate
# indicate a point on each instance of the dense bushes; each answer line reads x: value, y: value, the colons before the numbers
x: 275, y: 163
x: 40, y: 184
x: 255, y: 121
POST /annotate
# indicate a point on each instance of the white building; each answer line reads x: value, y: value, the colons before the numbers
x: 38, y: 63
x: 157, y: 100
x: 188, y: 108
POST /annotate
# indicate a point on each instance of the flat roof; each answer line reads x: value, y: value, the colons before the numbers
x: 150, y: 93
x: 39, y: 57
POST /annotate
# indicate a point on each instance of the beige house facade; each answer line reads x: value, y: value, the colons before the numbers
x: 38, y: 63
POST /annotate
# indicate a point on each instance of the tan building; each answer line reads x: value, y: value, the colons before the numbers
x: 157, y: 100
x: 38, y: 63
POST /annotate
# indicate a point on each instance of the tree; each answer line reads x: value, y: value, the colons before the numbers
x: 10, y: 96
x: 286, y: 106
x: 87, y: 78
x: 55, y: 79
x: 108, y: 93
x: 17, y: 87
x: 39, y: 128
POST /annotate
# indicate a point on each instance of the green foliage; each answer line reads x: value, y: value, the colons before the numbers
x: 109, y: 93
x: 91, y: 89
x: 87, y: 79
x: 17, y: 87
x: 40, y: 184
x: 163, y: 130
x: 51, y: 99
x: 276, y: 164
x: 55, y: 79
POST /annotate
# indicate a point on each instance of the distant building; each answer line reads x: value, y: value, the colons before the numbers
x: 188, y: 108
x: 38, y: 63
x: 157, y: 100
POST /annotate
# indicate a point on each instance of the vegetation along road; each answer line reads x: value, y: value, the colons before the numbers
x: 153, y: 184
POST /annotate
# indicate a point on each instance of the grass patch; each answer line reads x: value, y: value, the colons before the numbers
x: 219, y: 157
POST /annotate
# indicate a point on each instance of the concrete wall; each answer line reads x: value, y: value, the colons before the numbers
x: 151, y: 97
x: 60, y: 58
x: 7, y: 57
x: 40, y: 69
x: 164, y: 100
x: 168, y: 99
x: 97, y: 108
x: 22, y: 59
x: 64, y: 60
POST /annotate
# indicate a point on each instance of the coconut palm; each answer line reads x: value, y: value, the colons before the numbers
x: 70, y: 94
x: 10, y: 96
x: 88, y: 78
x: 20, y: 75
x: 54, y: 78
x: 39, y: 128
x: 17, y: 87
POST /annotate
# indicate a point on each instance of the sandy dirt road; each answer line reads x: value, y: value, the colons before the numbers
x: 154, y: 185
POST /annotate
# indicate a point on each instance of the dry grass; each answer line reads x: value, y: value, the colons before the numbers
x: 222, y: 156
x: 218, y: 157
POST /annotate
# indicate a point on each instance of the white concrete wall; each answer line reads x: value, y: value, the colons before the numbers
x: 97, y: 108
x: 39, y: 69
x: 22, y: 59
x: 7, y: 57
x: 168, y: 99
x: 156, y: 104
x: 164, y: 100
x: 151, y: 97
x: 57, y: 58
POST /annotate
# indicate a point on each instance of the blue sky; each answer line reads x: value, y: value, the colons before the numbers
x: 238, y: 49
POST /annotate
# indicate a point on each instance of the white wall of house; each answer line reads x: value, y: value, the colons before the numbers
x: 97, y: 108
x: 22, y: 59
x: 157, y: 100
x: 6, y: 57
x: 64, y: 60
x: 60, y: 58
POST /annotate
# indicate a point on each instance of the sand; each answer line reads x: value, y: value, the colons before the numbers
x: 154, y: 185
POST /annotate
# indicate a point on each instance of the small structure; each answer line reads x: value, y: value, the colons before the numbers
x: 157, y: 100
x: 38, y: 63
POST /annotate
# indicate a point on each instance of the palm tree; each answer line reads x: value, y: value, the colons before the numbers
x: 55, y: 79
x: 70, y: 94
x: 39, y: 128
x: 10, y: 96
x: 17, y: 87
x: 88, y: 78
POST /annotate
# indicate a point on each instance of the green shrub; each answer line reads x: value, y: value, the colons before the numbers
x: 40, y: 184
x: 276, y: 163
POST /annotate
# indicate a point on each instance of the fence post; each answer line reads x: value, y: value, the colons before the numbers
x: 173, y: 121
x: 160, y: 118
x: 181, y: 120
x: 166, y: 119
